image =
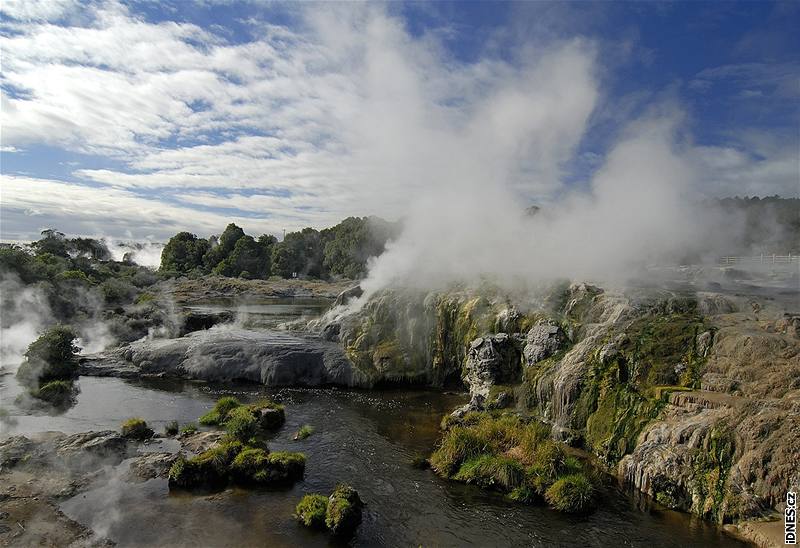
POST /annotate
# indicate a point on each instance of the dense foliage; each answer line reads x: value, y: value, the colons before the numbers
x: 51, y: 357
x: 73, y: 279
x: 339, y: 251
x: 50, y: 367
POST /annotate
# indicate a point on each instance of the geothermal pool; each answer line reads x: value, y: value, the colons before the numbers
x: 365, y: 438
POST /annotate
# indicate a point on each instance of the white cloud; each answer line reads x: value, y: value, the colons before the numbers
x: 37, y: 10
x: 346, y: 114
x: 104, y: 211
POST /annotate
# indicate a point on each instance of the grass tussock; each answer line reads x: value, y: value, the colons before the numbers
x: 516, y: 457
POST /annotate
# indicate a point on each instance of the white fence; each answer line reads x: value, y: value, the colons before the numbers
x: 761, y: 260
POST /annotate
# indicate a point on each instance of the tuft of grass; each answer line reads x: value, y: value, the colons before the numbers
x: 189, y: 428
x: 494, y: 472
x: 241, y: 424
x: 459, y: 445
x: 219, y: 413
x: 573, y: 494
x: 136, y: 429
x: 420, y: 462
x: 305, y: 431
x: 311, y: 510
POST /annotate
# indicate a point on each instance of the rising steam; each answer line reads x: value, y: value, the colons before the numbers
x: 459, y: 151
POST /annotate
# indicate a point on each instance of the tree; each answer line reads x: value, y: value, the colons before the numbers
x: 51, y: 357
x: 284, y: 260
x: 89, y: 247
x: 247, y: 256
x: 225, y: 246
x: 52, y: 242
x: 352, y: 242
x: 183, y: 253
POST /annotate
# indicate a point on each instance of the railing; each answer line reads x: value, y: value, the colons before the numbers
x: 762, y: 259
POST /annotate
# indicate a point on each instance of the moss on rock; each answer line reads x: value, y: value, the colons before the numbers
x: 343, y: 514
x: 136, y: 429
x: 311, y: 511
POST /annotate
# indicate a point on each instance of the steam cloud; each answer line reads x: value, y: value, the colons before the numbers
x: 459, y: 151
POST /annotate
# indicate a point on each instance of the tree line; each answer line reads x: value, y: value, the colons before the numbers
x: 341, y: 251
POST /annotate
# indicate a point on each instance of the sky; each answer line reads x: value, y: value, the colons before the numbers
x: 136, y: 120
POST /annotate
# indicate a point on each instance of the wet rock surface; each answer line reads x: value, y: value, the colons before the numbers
x: 39, y: 471
x: 272, y: 358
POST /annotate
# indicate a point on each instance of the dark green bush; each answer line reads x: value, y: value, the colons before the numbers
x: 51, y: 357
x: 57, y: 393
x: 491, y: 471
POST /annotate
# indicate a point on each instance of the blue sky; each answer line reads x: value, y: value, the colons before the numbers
x: 136, y: 120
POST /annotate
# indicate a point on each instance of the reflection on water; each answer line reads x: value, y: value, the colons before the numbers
x: 365, y: 438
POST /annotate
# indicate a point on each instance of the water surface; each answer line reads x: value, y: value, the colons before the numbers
x: 364, y: 438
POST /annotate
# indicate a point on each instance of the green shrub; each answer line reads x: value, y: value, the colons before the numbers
x: 136, y: 429
x: 420, y: 462
x: 490, y: 471
x: 286, y: 466
x: 305, y: 431
x: 255, y: 465
x: 189, y: 428
x: 573, y: 494
x: 241, y: 424
x: 311, y: 510
x: 171, y: 429
x: 219, y: 413
x: 344, y: 510
x: 51, y: 357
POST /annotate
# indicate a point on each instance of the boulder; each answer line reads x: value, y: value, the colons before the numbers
x: 493, y: 359
x: 348, y: 295
x: 269, y: 418
x: 344, y: 511
x: 543, y: 340
x: 272, y: 358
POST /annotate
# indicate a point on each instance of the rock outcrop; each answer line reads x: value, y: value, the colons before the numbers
x: 687, y: 398
x: 271, y: 358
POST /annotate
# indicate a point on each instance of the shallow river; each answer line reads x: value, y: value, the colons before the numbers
x: 364, y: 438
